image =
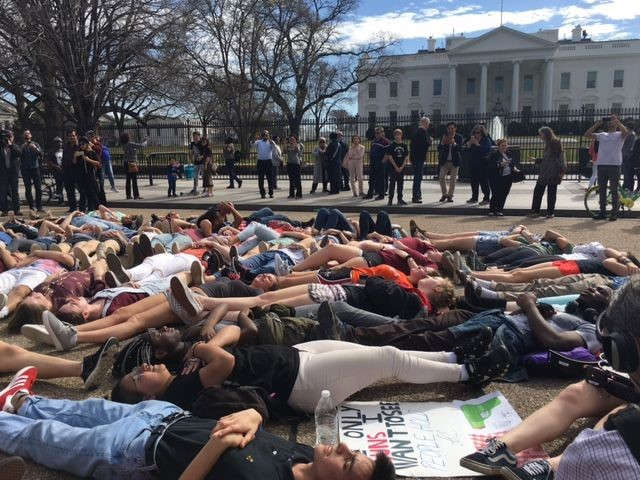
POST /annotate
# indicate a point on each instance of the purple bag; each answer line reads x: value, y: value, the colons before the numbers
x: 563, y: 364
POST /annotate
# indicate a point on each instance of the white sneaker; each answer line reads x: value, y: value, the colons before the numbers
x: 37, y: 333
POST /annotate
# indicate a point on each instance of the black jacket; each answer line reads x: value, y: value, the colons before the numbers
x: 420, y: 143
x: 495, y: 163
x: 456, y: 151
x: 384, y: 297
x: 14, y: 161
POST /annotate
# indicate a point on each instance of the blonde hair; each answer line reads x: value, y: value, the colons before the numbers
x: 398, y: 130
x: 443, y: 295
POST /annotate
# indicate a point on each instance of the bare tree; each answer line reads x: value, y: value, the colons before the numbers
x: 324, y: 79
x: 82, y: 48
x: 300, y: 35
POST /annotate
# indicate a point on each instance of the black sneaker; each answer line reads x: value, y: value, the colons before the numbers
x: 401, y: 202
x: 443, y: 198
x: 600, y: 216
x: 491, y: 365
x: 380, y: 197
x: 115, y: 266
x: 239, y: 268
x: 472, y: 200
x: 325, y: 241
x: 329, y: 326
x: 474, y: 345
x: 535, y: 470
x: 491, y: 459
x: 96, y: 366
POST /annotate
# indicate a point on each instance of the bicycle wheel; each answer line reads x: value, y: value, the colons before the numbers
x: 592, y: 201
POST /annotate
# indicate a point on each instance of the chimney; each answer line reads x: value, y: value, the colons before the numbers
x: 431, y: 44
x: 576, y: 33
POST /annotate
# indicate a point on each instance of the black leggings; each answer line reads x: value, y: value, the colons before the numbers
x: 538, y: 192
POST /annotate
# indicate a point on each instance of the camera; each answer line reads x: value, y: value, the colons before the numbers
x: 613, y: 383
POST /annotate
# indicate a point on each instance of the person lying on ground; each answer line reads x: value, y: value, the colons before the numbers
x: 159, y: 436
x: 605, y: 452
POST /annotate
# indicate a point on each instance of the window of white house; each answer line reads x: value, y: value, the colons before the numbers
x: 393, y: 89
x: 372, y: 90
x: 415, y: 88
x: 437, y: 87
x: 471, y: 86
x: 499, y: 85
x: 527, y: 83
x: 592, y: 79
x: 436, y: 117
x: 563, y: 107
x: 565, y: 80
x: 618, y: 78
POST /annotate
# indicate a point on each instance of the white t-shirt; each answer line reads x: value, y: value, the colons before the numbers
x: 610, y: 148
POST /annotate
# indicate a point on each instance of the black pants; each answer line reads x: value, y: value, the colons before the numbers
x: 89, y: 191
x: 295, y: 183
x: 609, y: 175
x: 132, y: 182
x: 418, y: 167
x: 335, y: 176
x: 395, y: 179
x: 382, y: 225
x: 265, y: 170
x: 231, y: 171
x: 479, y: 179
x: 102, y: 195
x: 59, y: 178
x: 500, y: 188
x: 274, y: 175
x: 171, y: 191
x: 538, y: 192
x: 345, y: 179
x: 631, y: 172
x: 70, y: 187
x: 325, y: 174
x: 31, y: 176
x: 9, y: 186
x: 376, y: 178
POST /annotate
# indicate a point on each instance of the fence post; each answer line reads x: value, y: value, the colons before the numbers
x: 148, y: 157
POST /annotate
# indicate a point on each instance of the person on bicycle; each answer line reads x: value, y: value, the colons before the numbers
x: 610, y: 140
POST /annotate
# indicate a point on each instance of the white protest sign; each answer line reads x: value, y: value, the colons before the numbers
x: 426, y: 439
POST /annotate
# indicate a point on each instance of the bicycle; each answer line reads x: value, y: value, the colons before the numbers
x: 592, y: 200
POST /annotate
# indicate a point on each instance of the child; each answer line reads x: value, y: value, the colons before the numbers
x: 230, y: 156
x: 172, y: 176
x: 396, y: 157
x: 207, y: 177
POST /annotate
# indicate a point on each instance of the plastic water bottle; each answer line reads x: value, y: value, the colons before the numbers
x: 326, y: 420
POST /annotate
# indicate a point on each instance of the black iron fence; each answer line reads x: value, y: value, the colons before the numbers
x: 168, y: 140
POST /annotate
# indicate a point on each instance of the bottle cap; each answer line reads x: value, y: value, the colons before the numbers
x: 326, y: 393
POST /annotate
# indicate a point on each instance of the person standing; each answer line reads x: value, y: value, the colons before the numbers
x: 449, y: 157
x: 196, y: 158
x: 229, y: 154
x: 480, y: 146
x: 30, y: 160
x: 502, y: 167
x: 9, y: 168
x: 333, y: 160
x: 132, y: 167
x: 108, y: 167
x: 376, y: 168
x: 294, y: 151
x: 54, y: 163
x: 354, y: 163
x: 319, y: 160
x: 420, y: 143
x: 173, y: 170
x: 265, y: 148
x: 88, y: 164
x: 208, y: 167
x: 96, y: 145
x: 611, y: 141
x: 69, y: 169
x: 396, y: 160
x: 552, y: 168
x: 276, y: 161
x: 345, y: 171
x: 628, y: 164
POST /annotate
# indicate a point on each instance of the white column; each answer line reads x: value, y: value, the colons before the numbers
x: 453, y: 107
x: 515, y: 87
x: 483, y: 89
x: 547, y: 102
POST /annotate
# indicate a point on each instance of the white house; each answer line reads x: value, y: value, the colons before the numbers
x: 509, y: 70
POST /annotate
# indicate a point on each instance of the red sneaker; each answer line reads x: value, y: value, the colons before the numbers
x: 21, y: 382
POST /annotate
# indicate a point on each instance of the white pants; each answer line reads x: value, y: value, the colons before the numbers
x: 161, y: 266
x: 17, y: 277
x: 594, y: 176
x: 345, y: 368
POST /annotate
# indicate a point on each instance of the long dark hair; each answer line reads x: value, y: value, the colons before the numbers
x: 551, y: 141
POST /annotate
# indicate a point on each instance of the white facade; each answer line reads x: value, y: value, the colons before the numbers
x: 508, y: 70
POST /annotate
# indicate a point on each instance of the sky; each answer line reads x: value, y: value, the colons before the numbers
x: 411, y: 22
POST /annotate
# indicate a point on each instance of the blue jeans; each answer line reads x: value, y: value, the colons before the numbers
x: 491, y: 318
x: 332, y: 218
x: 105, y: 225
x: 89, y: 438
x: 264, y: 262
x: 79, y: 237
x: 108, y: 170
x: 253, y: 235
x: 265, y: 215
x: 347, y: 314
x: 169, y: 239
